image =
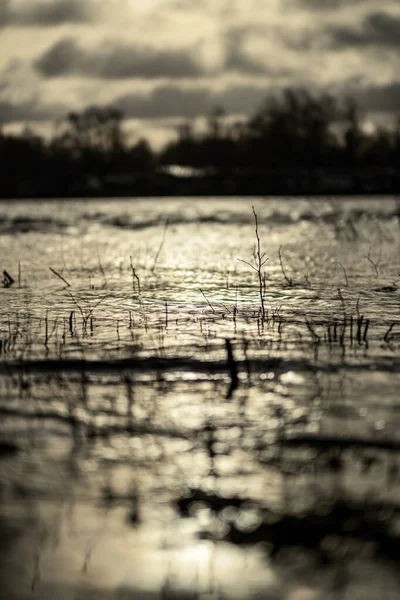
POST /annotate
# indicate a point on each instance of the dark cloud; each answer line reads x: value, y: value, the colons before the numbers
x: 380, y: 98
x: 4, y: 12
x: 118, y: 61
x: 172, y: 101
x: 238, y: 61
x: 166, y: 101
x: 13, y: 112
x: 378, y: 29
x: 46, y: 14
x: 67, y: 57
x: 64, y: 58
x: 242, y: 99
x: 325, y: 5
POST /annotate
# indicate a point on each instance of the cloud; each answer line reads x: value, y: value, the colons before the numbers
x: 21, y: 96
x: 248, y: 51
x: 326, y: 5
x: 380, y: 98
x: 4, y: 12
x: 171, y: 101
x: 9, y: 112
x: 378, y: 29
x: 63, y: 58
x: 31, y: 110
x: 176, y: 102
x: 123, y: 61
x: 46, y: 14
x: 67, y: 57
x: 167, y: 58
x: 165, y: 101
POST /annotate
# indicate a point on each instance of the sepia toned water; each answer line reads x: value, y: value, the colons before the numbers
x: 134, y: 465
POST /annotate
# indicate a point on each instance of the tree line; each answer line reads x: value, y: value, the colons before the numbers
x: 90, y: 152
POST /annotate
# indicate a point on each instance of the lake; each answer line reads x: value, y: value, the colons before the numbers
x: 183, y: 418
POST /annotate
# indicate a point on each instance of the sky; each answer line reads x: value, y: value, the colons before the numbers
x: 162, y: 61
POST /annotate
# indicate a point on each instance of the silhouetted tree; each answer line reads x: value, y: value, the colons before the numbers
x: 93, y: 137
x: 23, y: 162
x: 216, y: 122
x: 95, y: 129
x: 352, y: 134
x: 396, y: 144
x: 183, y: 151
x: 140, y: 156
x: 293, y: 132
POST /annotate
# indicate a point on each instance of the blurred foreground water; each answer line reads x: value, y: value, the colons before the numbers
x: 132, y: 465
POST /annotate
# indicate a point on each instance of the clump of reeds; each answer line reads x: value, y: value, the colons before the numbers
x: 343, y: 331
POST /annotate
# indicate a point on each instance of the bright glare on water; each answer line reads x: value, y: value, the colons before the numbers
x: 137, y: 460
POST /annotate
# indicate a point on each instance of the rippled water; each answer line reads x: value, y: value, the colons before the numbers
x: 134, y: 465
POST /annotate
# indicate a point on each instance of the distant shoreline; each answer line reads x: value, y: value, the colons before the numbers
x: 245, y: 183
x: 233, y: 197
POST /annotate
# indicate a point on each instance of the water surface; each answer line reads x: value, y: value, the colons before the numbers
x: 133, y: 466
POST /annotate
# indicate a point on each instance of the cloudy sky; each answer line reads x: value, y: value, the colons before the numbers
x: 164, y: 60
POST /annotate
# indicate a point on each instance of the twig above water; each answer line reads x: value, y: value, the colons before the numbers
x: 208, y: 302
x: 160, y: 246
x: 60, y: 276
x: 258, y: 268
